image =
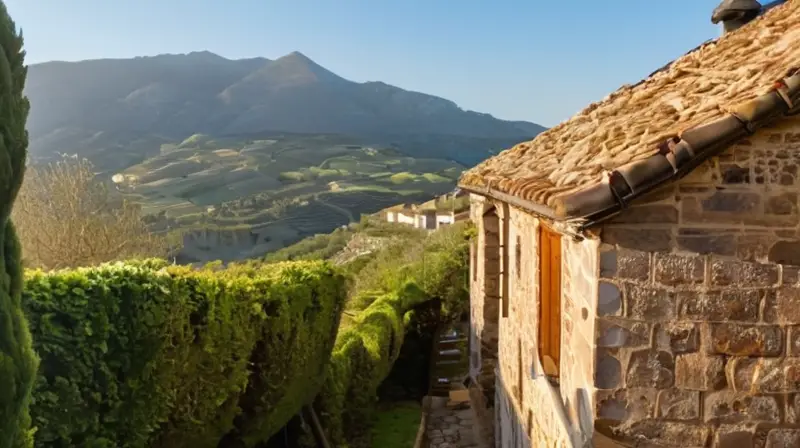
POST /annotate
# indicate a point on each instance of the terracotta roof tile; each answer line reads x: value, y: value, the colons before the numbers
x: 626, y: 126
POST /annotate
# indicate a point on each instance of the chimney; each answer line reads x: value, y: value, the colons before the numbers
x: 735, y: 13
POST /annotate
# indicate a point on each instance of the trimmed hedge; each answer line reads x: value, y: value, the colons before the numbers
x: 411, y: 280
x: 361, y: 360
x: 17, y: 359
x: 147, y: 355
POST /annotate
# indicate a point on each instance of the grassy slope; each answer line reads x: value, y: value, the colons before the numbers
x: 325, y: 245
x: 280, y: 189
x: 200, y: 172
x: 404, y: 254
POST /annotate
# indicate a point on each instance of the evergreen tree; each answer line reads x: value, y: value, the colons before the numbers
x: 17, y: 360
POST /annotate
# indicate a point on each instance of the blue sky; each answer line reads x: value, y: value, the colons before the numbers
x: 532, y: 60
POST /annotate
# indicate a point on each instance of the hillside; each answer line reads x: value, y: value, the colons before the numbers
x: 243, y: 198
x: 119, y: 111
x: 248, y: 156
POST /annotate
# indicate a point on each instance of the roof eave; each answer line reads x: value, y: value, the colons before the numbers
x: 672, y: 160
x: 516, y: 201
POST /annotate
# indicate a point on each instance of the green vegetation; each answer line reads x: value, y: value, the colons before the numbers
x: 148, y: 355
x: 402, y: 178
x: 292, y: 176
x: 17, y: 359
x: 317, y: 247
x: 363, y: 357
x: 396, y: 425
x: 433, y: 177
x: 321, y: 172
x: 390, y: 291
x: 193, y: 141
x: 230, y: 182
x: 436, y: 262
x: 325, y: 245
x: 389, y: 287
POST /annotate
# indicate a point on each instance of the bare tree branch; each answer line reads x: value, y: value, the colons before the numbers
x: 67, y: 218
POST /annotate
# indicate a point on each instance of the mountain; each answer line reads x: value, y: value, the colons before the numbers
x: 118, y: 112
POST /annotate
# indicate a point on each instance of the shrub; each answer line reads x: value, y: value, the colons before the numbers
x: 317, y: 247
x: 17, y: 360
x: 362, y: 358
x: 437, y: 263
x: 142, y: 354
x: 400, y: 280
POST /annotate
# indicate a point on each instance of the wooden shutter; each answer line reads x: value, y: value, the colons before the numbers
x: 550, y: 301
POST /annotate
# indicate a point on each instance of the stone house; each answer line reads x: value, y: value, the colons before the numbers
x: 635, y: 277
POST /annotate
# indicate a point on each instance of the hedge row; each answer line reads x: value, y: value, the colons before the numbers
x: 403, y: 277
x: 361, y: 360
x: 147, y: 355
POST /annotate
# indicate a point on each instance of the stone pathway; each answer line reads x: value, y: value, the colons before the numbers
x: 450, y: 426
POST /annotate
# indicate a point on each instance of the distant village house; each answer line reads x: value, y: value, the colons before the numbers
x: 431, y: 215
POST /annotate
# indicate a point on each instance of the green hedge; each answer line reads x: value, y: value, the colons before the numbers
x: 17, y: 360
x: 363, y: 356
x: 393, y: 288
x: 143, y: 355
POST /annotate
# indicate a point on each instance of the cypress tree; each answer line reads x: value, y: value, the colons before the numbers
x: 18, y: 362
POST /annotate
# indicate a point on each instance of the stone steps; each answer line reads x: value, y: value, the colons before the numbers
x: 450, y: 363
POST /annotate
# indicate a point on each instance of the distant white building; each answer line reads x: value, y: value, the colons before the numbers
x: 431, y: 215
x: 402, y: 214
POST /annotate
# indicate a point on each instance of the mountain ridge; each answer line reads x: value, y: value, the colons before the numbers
x: 147, y: 99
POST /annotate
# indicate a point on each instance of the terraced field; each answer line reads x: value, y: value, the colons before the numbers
x: 278, y: 189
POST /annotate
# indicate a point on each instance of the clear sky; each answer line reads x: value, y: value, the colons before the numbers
x: 536, y: 60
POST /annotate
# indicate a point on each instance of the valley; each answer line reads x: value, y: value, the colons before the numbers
x: 244, y: 157
x: 236, y: 198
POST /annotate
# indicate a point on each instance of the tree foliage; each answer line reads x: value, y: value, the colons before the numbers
x: 17, y: 360
x: 437, y: 262
x: 69, y: 218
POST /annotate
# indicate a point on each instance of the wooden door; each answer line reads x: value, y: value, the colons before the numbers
x: 550, y: 301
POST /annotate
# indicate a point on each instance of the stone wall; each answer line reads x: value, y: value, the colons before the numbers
x: 697, y: 351
x: 579, y: 284
x: 511, y: 431
x: 696, y: 322
x: 743, y: 204
x: 484, y: 310
x: 549, y: 415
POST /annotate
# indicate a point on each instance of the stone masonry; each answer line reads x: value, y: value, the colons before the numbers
x: 450, y: 426
x: 695, y: 350
x: 540, y: 413
x: 742, y: 204
x: 680, y: 317
x: 484, y: 310
x: 699, y: 305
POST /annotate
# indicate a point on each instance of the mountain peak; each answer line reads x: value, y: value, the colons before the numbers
x: 297, y: 54
x: 299, y: 66
x: 296, y: 57
x: 204, y: 54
